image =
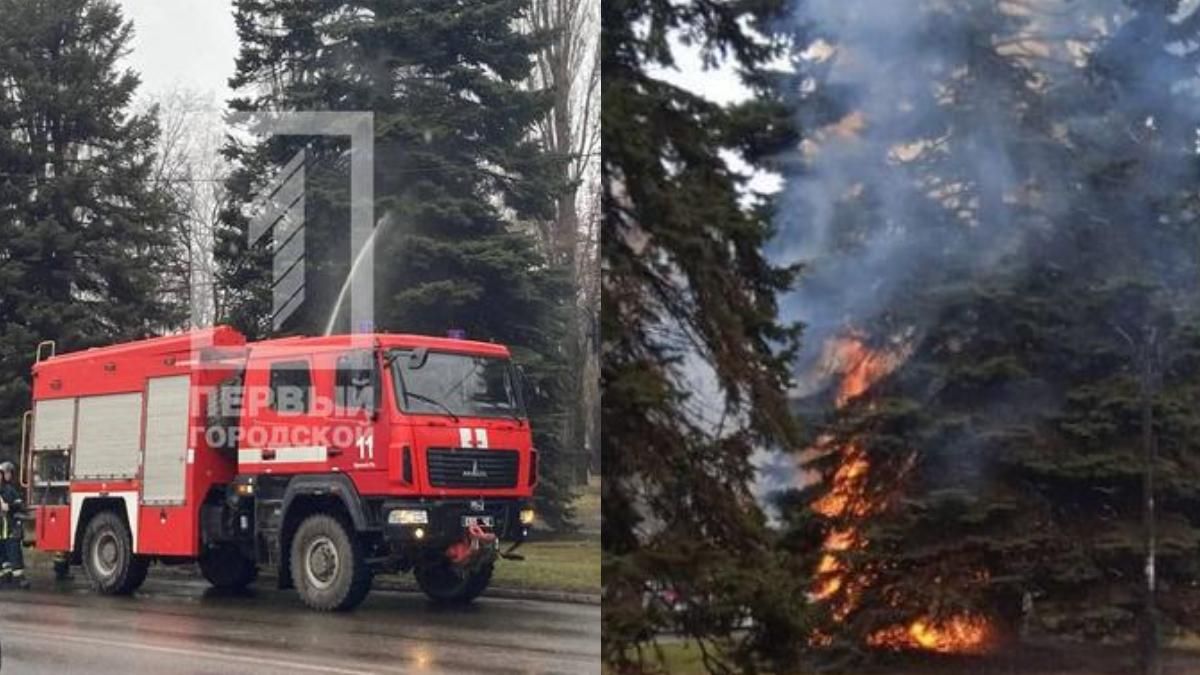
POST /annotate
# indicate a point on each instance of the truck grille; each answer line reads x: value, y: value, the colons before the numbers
x: 468, y: 468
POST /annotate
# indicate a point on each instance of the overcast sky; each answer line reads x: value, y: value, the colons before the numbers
x: 189, y: 44
x: 719, y: 85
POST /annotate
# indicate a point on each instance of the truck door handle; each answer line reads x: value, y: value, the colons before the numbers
x: 268, y: 453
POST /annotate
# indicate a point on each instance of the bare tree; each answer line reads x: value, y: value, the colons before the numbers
x: 588, y: 277
x: 569, y: 66
x: 191, y: 168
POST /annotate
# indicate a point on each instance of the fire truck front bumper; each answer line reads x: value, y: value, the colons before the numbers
x: 429, y: 522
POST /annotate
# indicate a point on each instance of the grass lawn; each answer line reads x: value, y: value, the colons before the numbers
x: 569, y: 563
x: 679, y: 659
x: 566, y: 565
x: 683, y: 659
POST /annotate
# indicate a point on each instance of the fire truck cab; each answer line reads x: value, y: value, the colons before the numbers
x: 324, y: 460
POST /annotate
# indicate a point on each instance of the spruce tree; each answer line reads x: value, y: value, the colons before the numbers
x: 687, y: 289
x: 458, y: 180
x: 83, y: 228
x: 1006, y: 450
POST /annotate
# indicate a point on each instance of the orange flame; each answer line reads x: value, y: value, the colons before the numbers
x: 859, y: 368
x: 960, y: 634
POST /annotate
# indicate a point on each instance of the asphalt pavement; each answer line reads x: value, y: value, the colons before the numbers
x: 178, y: 626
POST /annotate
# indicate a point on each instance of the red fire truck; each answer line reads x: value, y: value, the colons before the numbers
x: 324, y: 459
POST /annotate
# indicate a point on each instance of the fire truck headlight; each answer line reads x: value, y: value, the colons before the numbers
x: 527, y: 516
x: 408, y: 517
x: 419, y: 533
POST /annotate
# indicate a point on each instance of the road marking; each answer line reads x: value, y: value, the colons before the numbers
x: 198, y: 654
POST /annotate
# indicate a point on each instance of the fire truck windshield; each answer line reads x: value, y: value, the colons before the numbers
x: 437, y: 383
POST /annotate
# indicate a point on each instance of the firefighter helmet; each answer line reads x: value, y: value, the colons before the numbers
x: 6, y: 467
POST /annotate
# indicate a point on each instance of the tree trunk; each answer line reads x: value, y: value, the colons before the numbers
x: 1149, y: 628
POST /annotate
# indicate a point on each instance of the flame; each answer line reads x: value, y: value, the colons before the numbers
x: 846, y: 497
x: 829, y: 569
x: 861, y: 367
x: 858, y: 367
x: 960, y: 634
x: 848, y: 502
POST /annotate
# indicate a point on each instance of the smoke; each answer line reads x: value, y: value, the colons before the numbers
x: 939, y: 141
x: 926, y: 166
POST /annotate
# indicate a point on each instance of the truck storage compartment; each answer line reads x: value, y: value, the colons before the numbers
x: 53, y: 423
x: 165, y: 460
x: 53, y: 528
x: 108, y: 441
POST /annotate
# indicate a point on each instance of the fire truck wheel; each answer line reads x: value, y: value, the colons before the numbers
x: 443, y: 582
x: 328, y: 565
x: 108, y: 557
x: 226, y: 568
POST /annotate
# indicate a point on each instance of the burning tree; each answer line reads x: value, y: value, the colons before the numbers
x: 998, y: 186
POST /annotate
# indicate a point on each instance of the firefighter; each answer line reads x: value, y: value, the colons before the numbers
x: 12, y: 569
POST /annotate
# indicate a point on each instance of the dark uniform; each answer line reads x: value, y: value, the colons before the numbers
x: 12, y: 569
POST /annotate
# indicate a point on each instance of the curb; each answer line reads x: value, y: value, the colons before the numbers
x: 545, y: 596
x: 507, y: 593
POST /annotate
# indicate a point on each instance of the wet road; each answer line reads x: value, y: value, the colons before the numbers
x: 175, y: 626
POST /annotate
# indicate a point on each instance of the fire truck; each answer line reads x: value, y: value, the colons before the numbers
x: 326, y: 460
